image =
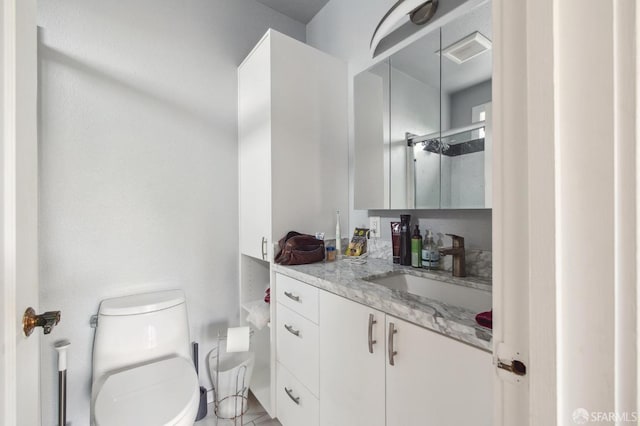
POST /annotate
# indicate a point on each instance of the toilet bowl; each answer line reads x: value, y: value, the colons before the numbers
x: 142, y: 370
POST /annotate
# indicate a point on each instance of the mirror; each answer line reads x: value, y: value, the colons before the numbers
x: 466, y: 111
x: 422, y: 121
x: 415, y: 111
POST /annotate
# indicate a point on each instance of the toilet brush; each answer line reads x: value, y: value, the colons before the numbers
x: 202, y: 408
x: 61, y: 347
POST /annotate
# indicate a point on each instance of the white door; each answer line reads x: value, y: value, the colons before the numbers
x: 565, y: 178
x: 351, y: 363
x: 20, y: 368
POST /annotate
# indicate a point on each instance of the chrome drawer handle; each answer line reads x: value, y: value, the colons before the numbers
x: 291, y: 330
x: 371, y: 341
x: 292, y: 297
x: 295, y: 399
x: 392, y: 353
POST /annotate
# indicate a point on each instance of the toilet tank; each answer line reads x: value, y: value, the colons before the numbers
x: 138, y: 329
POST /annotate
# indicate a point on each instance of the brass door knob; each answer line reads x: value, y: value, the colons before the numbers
x: 47, y: 321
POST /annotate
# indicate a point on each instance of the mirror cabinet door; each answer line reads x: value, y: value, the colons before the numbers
x: 415, y: 112
x: 466, y: 111
x: 371, y: 128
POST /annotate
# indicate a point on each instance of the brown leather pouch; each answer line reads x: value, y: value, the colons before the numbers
x: 299, y: 249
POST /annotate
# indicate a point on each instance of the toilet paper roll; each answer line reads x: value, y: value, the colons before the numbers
x: 238, y: 339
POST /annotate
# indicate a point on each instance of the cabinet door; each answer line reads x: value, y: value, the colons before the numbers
x: 254, y: 136
x: 435, y: 380
x: 351, y: 377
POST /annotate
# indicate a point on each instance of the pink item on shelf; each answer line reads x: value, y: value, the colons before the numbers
x: 485, y: 319
x: 267, y: 297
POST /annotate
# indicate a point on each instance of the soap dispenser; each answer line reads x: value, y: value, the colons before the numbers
x: 430, y: 253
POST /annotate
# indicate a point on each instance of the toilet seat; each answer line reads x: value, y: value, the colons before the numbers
x: 160, y: 393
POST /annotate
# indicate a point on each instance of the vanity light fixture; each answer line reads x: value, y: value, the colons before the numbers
x: 467, y: 48
x: 419, y: 11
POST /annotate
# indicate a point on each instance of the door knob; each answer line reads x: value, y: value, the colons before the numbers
x: 47, y: 321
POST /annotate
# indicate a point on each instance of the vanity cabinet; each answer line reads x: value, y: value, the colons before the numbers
x: 352, y: 355
x: 435, y: 379
x: 297, y: 366
x: 292, y: 141
x: 375, y: 369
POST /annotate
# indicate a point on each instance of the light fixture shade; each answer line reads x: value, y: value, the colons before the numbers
x: 401, y: 12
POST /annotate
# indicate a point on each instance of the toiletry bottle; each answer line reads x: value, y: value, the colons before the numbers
x: 425, y: 250
x: 416, y: 248
x: 338, y: 237
x: 430, y: 253
x: 405, y: 239
x: 395, y: 241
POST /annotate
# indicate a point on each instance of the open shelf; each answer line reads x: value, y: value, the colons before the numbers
x: 248, y: 306
x: 261, y: 379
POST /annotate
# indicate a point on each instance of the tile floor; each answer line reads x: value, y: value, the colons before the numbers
x: 255, y: 416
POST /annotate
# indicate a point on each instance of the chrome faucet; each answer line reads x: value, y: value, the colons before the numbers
x: 457, y: 252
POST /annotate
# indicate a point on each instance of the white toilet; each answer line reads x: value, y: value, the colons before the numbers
x: 143, y: 374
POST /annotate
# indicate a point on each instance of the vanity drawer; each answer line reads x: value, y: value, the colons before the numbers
x: 297, y: 346
x: 297, y: 296
x: 295, y: 404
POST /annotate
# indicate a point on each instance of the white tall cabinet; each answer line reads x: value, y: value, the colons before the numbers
x: 293, y: 166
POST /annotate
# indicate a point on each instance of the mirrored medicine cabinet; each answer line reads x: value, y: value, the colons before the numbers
x: 422, y: 121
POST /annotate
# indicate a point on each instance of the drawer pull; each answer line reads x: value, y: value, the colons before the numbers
x: 292, y: 297
x: 291, y: 330
x: 371, y: 341
x: 392, y: 353
x: 263, y: 248
x: 295, y: 399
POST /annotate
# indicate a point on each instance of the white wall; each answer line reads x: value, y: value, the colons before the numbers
x: 138, y: 164
x: 463, y: 101
x: 344, y: 29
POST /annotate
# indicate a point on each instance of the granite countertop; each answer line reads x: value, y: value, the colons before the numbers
x: 345, y: 279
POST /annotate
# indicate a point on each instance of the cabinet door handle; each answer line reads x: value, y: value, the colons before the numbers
x: 264, y: 248
x: 292, y: 297
x: 371, y: 341
x: 295, y: 399
x: 392, y: 353
x: 291, y: 330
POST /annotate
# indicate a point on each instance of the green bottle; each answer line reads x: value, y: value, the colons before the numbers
x: 416, y: 248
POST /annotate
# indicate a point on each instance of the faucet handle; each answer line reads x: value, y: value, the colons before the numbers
x: 457, y: 240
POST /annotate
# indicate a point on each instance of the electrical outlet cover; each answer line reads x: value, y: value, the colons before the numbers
x: 374, y: 226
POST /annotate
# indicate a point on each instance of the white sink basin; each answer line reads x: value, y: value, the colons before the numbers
x: 452, y: 294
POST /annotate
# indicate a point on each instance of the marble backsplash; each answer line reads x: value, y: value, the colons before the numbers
x: 478, y: 262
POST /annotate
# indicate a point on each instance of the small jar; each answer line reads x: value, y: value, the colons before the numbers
x: 331, y: 254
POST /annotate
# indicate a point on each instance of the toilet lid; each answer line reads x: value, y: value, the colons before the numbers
x: 160, y: 393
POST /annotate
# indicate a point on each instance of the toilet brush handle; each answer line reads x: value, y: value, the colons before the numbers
x: 61, y: 347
